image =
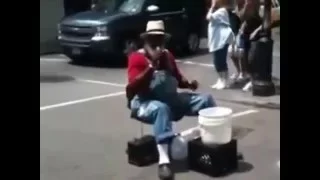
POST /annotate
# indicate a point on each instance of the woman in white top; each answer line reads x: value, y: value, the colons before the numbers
x: 220, y: 36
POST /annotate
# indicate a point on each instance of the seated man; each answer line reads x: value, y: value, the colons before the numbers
x: 152, y: 91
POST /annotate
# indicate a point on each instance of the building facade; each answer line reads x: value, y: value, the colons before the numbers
x: 51, y: 12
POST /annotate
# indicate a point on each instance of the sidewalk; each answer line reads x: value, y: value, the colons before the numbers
x: 246, y: 98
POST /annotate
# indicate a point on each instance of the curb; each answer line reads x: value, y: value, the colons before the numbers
x: 258, y: 104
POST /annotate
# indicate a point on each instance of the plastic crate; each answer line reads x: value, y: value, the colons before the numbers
x: 142, y: 151
x: 214, y: 161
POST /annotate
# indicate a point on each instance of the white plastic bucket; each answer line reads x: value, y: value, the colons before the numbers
x: 215, y: 125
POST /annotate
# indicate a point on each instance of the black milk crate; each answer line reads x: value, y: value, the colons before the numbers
x: 142, y: 151
x: 215, y: 161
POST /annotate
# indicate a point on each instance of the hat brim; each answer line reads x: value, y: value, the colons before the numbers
x: 146, y: 34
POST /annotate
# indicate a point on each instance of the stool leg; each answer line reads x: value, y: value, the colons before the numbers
x: 141, y: 129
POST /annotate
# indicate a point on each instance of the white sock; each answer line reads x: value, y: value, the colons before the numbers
x: 163, y: 153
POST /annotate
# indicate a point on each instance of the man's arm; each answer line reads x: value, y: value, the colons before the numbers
x: 139, y: 75
x: 255, y: 33
x: 183, y: 83
x: 246, y: 8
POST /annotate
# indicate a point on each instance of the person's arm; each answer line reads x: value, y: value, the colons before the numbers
x: 210, y: 11
x: 183, y: 83
x: 247, y: 8
x: 215, y: 14
x: 139, y: 75
x: 255, y: 33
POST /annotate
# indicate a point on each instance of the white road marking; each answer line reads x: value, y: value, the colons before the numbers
x: 243, y: 113
x: 81, y: 101
x: 195, y: 63
x: 53, y: 59
x: 205, y: 65
x: 101, y: 82
x: 188, y: 62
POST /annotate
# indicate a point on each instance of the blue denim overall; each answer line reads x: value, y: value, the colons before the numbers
x: 163, y: 104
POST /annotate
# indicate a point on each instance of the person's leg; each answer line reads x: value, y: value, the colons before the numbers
x: 234, y: 55
x: 158, y: 114
x: 243, y: 56
x: 216, y: 66
x: 220, y: 61
x: 247, y: 50
x: 194, y: 102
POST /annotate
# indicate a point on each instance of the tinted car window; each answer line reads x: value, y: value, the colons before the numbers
x: 168, y: 5
x: 131, y: 6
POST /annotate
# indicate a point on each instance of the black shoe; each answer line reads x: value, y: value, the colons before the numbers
x: 165, y: 172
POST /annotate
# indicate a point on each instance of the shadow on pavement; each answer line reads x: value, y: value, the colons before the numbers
x: 201, y: 52
x: 180, y: 167
x: 244, y: 167
x: 101, y: 62
x: 55, y: 78
x: 239, y: 132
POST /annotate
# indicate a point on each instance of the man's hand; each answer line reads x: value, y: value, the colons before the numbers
x: 154, y: 64
x: 193, y: 85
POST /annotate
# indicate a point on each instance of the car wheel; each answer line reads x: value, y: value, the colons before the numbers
x: 75, y: 59
x: 193, y: 43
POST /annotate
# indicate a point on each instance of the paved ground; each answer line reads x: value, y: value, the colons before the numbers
x: 84, y: 125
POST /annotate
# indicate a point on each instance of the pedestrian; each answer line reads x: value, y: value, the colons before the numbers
x: 235, y: 23
x: 248, y: 11
x: 220, y: 36
x: 152, y: 94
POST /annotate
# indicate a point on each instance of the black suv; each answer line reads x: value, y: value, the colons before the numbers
x: 115, y: 30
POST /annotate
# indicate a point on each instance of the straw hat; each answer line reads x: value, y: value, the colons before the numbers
x: 155, y: 28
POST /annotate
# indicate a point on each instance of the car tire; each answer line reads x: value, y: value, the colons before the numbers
x: 75, y: 59
x: 193, y: 43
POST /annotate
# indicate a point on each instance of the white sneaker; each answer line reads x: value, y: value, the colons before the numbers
x: 222, y: 85
x: 243, y: 76
x: 234, y: 76
x: 240, y: 77
x: 216, y: 84
x: 247, y: 87
x: 224, y: 81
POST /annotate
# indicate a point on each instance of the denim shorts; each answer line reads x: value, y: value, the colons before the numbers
x: 243, y: 42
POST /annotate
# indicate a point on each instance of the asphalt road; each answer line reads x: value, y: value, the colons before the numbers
x: 85, y: 125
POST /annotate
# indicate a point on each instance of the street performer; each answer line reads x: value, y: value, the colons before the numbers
x: 152, y: 91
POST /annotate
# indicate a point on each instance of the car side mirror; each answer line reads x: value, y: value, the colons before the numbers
x: 152, y: 8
